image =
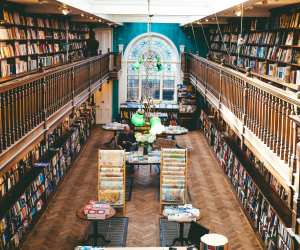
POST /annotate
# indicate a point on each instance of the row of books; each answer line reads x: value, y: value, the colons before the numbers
x: 18, y: 18
x: 288, y: 20
x: 15, y: 33
x: 285, y: 74
x: 266, y: 38
x: 46, y: 173
x: 261, y: 214
x: 40, y: 48
x: 282, y: 55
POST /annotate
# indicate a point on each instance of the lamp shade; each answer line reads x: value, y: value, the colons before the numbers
x: 156, y: 126
x: 138, y: 120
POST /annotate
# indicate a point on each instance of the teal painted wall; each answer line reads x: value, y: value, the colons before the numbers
x: 177, y: 34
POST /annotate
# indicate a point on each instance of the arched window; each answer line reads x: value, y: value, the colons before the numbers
x: 161, y: 83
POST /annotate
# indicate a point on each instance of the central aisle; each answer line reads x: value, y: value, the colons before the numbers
x: 210, y: 191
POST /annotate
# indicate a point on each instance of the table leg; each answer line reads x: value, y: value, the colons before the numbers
x: 183, y: 241
x: 95, y: 226
x: 181, y: 227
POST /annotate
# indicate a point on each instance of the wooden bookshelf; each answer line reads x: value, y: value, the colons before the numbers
x: 35, y: 179
x: 26, y: 42
x: 267, y: 213
x: 270, y: 47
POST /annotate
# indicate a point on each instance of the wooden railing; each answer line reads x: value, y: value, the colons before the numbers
x: 27, y: 102
x: 260, y: 114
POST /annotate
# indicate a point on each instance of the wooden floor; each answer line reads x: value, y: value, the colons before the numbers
x: 59, y: 228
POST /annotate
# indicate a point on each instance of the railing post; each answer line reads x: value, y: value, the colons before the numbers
x: 44, y: 115
x: 1, y: 122
x: 73, y: 86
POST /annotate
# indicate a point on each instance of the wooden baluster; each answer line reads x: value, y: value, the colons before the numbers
x: 13, y: 115
x: 272, y: 118
x: 287, y: 131
x: 265, y: 117
x: 19, y: 98
x: 51, y: 103
x: 261, y: 111
x: 17, y: 112
x: 292, y: 158
x: 256, y: 112
x: 34, y: 106
x: 268, y: 119
x: 7, y: 117
x: 279, y: 126
x: 275, y: 124
x: 40, y: 100
x: 250, y: 108
x: 2, y: 124
x: 282, y: 130
x: 23, y: 111
x: 30, y: 98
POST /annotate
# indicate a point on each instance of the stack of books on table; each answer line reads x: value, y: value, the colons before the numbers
x: 97, y: 210
x: 181, y: 213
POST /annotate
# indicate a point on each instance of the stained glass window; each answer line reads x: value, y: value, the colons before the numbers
x: 162, y: 83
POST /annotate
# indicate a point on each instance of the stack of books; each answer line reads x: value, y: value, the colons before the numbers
x: 97, y: 210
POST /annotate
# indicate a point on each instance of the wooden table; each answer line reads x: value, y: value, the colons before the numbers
x: 173, y: 133
x: 80, y: 214
x: 181, y: 237
x: 132, y: 158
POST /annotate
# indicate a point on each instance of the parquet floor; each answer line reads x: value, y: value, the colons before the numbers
x: 59, y: 228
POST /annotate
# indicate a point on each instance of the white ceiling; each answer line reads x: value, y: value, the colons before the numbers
x: 168, y: 11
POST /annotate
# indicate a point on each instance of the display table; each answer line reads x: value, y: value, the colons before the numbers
x: 135, y: 158
x: 214, y: 242
x: 114, y: 126
x: 175, y: 130
x: 95, y: 235
x: 181, y: 215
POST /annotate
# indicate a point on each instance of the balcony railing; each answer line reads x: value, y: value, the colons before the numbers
x: 259, y: 112
x: 30, y: 101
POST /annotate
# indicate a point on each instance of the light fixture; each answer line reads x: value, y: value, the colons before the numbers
x: 91, y: 18
x: 206, y: 20
x: 99, y: 20
x: 65, y: 10
x: 82, y: 15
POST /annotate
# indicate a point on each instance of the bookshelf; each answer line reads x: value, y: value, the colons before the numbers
x: 111, y: 178
x: 173, y: 177
x: 186, y: 96
x: 27, y: 42
x: 269, y: 46
x: 26, y: 189
x: 266, y: 210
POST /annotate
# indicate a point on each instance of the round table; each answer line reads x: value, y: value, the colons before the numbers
x: 81, y: 215
x: 173, y: 133
x: 217, y: 241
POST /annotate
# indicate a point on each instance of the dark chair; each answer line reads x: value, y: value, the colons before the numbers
x: 195, y: 233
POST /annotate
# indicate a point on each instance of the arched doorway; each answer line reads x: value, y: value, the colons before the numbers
x: 163, y: 83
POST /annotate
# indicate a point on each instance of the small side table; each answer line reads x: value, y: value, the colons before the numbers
x: 95, y: 235
x: 215, y: 241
